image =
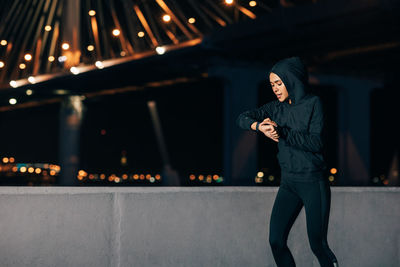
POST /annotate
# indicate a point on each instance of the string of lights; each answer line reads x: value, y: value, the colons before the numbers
x: 34, y: 34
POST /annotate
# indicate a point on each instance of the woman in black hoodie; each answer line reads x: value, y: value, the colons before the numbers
x: 296, y: 122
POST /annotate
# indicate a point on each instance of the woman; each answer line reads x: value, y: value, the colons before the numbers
x: 295, y: 121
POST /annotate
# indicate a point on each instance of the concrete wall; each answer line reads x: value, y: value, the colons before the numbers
x: 186, y: 226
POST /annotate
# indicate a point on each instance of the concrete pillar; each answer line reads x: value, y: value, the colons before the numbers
x: 353, y: 126
x: 71, y: 114
x: 241, y: 83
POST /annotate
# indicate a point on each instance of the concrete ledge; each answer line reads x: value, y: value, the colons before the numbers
x: 186, y: 226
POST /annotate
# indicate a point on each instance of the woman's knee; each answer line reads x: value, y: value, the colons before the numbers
x: 276, y: 242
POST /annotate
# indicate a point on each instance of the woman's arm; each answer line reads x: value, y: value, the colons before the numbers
x: 307, y: 140
x: 247, y: 118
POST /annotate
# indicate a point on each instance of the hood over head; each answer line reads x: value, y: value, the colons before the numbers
x: 294, y: 75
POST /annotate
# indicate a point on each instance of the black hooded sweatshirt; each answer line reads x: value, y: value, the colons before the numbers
x: 300, y: 124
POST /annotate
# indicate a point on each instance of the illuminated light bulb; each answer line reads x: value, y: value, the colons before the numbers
x: 140, y: 34
x: 99, y: 64
x: 13, y: 83
x: 333, y: 170
x: 1, y: 64
x: 12, y: 101
x: 74, y: 70
x: 28, y: 57
x: 29, y: 92
x: 90, y: 48
x: 22, y: 66
x: 92, y: 12
x: 23, y: 169
x: 5, y: 160
x: 260, y: 174
x: 229, y: 2
x: 31, y: 79
x: 166, y: 18
x: 116, y: 32
x: 38, y: 170
x: 62, y: 58
x: 252, y: 3
x: 31, y: 169
x: 191, y: 20
x: 65, y: 46
x: 51, y: 58
x: 160, y: 50
x: 47, y: 28
x: 3, y: 42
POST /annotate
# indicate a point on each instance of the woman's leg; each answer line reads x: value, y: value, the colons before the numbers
x: 316, y: 197
x: 286, y: 208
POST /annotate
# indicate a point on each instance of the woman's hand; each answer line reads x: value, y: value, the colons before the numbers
x: 267, y: 126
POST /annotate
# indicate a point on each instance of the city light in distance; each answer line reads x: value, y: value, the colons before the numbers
x: 166, y: 18
x: 140, y: 34
x: 333, y: 170
x: 191, y: 20
x: 229, y: 2
x: 51, y: 58
x: 90, y: 47
x: 47, y: 28
x: 12, y: 101
x: 116, y: 32
x: 22, y: 66
x: 3, y: 42
x: 29, y: 92
x: 1, y: 64
x: 92, y: 12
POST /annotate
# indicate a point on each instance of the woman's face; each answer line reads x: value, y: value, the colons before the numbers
x: 278, y: 87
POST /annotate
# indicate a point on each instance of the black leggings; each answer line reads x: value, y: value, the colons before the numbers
x: 291, y: 196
